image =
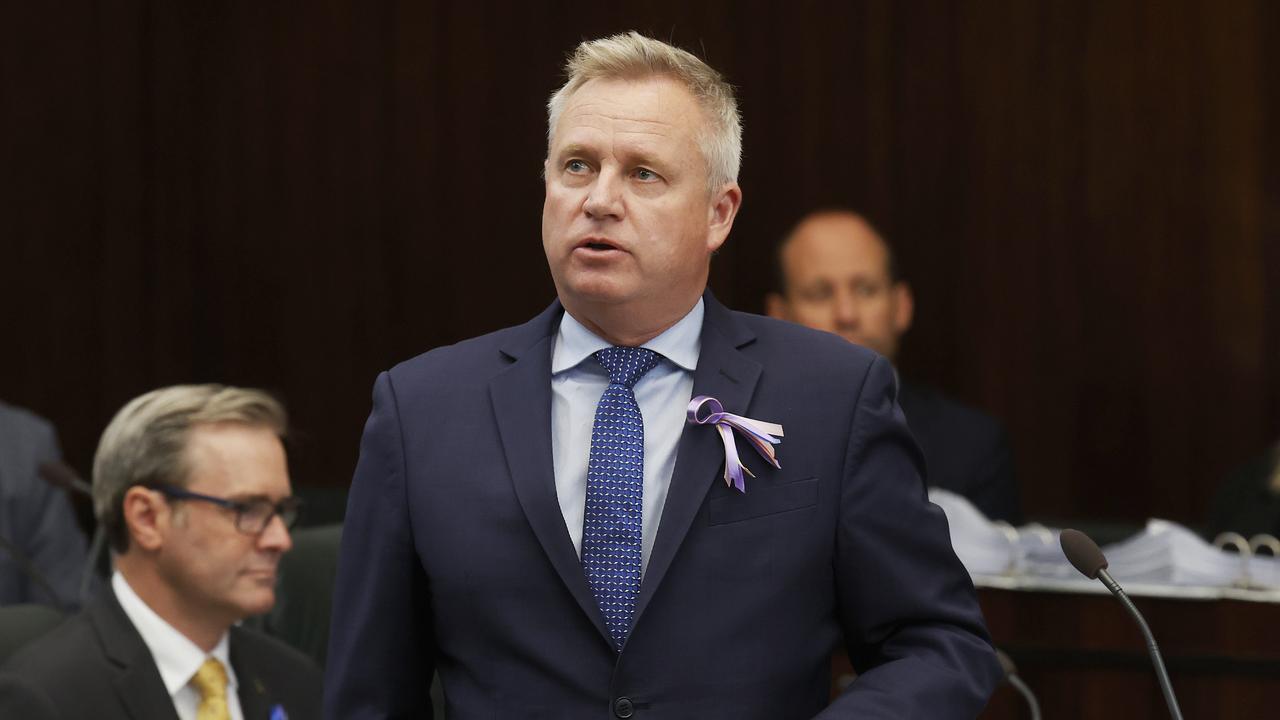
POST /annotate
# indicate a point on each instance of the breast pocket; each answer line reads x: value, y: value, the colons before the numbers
x: 761, y: 501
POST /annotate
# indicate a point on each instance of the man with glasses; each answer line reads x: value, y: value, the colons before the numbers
x: 192, y: 488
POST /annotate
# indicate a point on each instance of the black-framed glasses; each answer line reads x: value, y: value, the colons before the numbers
x: 252, y: 516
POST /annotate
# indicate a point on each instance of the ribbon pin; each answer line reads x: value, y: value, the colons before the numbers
x: 704, y: 410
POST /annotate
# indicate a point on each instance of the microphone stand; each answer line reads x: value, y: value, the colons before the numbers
x: 1012, y: 677
x: 1166, y: 687
x: 30, y: 571
x: 1084, y: 554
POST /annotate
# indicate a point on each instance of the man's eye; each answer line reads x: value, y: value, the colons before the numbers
x: 575, y: 166
x: 646, y: 174
x: 818, y: 293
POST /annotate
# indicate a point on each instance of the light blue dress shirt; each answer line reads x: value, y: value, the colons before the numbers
x: 578, y: 381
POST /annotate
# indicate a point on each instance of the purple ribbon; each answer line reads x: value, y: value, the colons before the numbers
x: 705, y: 410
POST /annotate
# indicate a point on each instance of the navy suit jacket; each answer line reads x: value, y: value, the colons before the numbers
x: 455, y: 556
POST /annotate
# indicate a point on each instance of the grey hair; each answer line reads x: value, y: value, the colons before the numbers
x: 632, y: 55
x: 145, y: 443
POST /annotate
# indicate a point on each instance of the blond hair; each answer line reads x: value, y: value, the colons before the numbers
x: 632, y: 55
x: 145, y: 443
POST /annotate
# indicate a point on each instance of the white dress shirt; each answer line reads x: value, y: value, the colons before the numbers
x: 577, y: 382
x: 176, y: 656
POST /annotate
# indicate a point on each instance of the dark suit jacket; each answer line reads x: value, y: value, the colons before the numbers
x: 1245, y: 503
x: 965, y: 451
x: 455, y: 554
x: 95, y: 666
x: 20, y: 701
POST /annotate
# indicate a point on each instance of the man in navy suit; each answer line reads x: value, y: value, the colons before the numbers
x: 836, y: 273
x: 533, y: 517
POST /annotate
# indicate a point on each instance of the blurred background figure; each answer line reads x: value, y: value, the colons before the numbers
x: 1249, y: 501
x: 42, y: 549
x: 836, y: 273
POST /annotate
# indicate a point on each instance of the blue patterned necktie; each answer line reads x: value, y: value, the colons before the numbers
x: 611, y: 525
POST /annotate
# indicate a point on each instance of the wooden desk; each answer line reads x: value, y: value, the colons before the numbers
x: 1085, y: 659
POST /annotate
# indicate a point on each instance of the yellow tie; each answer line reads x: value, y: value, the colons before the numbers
x: 211, y: 682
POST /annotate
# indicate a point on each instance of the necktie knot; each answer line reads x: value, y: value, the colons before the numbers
x: 626, y: 365
x: 211, y: 682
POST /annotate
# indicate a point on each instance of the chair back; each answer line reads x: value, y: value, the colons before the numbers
x: 20, y: 624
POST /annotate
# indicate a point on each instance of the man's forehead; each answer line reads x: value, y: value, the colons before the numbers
x: 231, y: 455
x: 655, y: 107
x: 229, y: 437
x: 620, y: 91
x: 836, y: 244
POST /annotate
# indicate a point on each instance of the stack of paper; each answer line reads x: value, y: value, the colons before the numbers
x: 1042, y: 553
x: 1168, y: 553
x: 983, y: 547
x: 1164, y: 553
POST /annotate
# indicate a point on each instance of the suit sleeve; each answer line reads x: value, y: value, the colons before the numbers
x: 381, y: 646
x: 52, y: 539
x: 911, y: 620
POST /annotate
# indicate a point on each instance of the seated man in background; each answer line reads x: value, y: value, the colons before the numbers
x: 837, y: 274
x: 42, y: 550
x: 1248, y: 502
x: 192, y: 487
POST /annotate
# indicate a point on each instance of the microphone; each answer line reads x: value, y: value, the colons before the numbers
x: 1011, y: 675
x: 60, y: 475
x: 1089, y: 560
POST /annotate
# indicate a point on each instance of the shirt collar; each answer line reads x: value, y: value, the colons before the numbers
x: 679, y: 344
x: 176, y: 656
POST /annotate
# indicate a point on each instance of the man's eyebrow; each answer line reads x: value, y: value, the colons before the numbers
x: 641, y: 156
x: 253, y: 498
x: 573, y: 149
x: 630, y: 155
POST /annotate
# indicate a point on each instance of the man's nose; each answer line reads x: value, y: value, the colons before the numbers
x: 275, y: 536
x: 605, y: 197
x: 847, y: 309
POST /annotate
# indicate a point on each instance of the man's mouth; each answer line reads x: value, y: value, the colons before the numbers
x: 596, y: 244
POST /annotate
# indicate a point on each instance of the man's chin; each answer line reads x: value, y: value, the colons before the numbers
x: 259, y: 601
x: 599, y: 292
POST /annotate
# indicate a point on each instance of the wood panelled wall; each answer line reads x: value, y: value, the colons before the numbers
x: 295, y: 195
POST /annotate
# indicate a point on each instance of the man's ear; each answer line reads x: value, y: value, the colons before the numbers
x: 904, y: 307
x: 724, y: 209
x: 775, y: 306
x: 147, y: 517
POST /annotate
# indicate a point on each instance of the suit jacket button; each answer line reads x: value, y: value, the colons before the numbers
x: 623, y: 708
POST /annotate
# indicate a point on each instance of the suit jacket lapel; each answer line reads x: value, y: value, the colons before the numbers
x: 255, y: 702
x: 139, y: 685
x: 728, y: 375
x: 521, y: 398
